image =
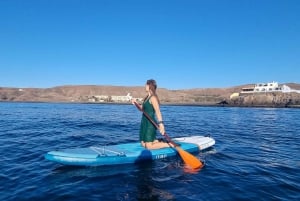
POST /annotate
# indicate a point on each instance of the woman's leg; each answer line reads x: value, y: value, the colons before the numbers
x: 156, y: 145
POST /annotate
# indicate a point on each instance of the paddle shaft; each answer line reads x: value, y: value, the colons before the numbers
x: 155, y: 124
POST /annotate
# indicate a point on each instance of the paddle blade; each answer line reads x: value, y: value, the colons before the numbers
x: 189, y: 159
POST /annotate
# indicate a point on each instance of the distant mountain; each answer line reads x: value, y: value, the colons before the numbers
x: 88, y: 93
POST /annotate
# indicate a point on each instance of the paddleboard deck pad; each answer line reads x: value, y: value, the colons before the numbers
x: 125, y: 153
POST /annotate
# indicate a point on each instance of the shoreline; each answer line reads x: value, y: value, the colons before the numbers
x: 163, y: 104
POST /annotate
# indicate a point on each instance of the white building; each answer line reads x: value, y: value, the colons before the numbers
x: 106, y: 98
x: 268, y: 87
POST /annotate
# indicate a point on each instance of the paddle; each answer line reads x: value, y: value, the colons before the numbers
x: 188, y: 158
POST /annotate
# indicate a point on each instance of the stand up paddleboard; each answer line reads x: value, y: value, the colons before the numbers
x: 125, y: 153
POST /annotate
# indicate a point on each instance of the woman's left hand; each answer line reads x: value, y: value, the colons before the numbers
x: 162, y: 129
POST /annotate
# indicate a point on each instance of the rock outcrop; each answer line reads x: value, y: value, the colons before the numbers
x: 277, y: 99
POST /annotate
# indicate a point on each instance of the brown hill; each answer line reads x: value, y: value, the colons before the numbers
x: 84, y: 93
x: 201, y: 96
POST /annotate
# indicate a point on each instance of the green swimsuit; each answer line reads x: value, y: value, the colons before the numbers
x: 147, y: 130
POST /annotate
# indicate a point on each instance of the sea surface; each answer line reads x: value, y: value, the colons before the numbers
x: 256, y: 155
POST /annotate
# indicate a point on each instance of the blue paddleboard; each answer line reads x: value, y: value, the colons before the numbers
x: 125, y: 153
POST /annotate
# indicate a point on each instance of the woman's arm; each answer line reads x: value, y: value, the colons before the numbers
x: 156, y: 107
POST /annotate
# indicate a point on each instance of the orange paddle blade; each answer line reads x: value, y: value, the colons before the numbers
x: 189, y: 159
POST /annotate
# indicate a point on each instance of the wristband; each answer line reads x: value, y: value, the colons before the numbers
x: 160, y: 122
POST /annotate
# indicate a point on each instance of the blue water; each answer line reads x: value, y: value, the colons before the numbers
x: 256, y: 156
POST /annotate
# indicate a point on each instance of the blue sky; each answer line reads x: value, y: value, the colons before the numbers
x: 182, y: 44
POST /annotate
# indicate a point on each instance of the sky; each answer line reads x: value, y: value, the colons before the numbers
x: 182, y: 44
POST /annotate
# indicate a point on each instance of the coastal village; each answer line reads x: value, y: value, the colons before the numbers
x: 270, y: 94
x: 266, y: 94
x: 115, y: 99
x: 265, y: 88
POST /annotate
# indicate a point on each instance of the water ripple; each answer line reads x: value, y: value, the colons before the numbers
x: 256, y: 155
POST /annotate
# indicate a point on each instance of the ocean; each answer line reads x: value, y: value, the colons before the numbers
x: 256, y: 155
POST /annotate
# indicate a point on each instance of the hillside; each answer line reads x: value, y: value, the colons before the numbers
x: 199, y: 96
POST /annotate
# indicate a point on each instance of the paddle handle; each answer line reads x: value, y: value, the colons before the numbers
x: 154, y: 124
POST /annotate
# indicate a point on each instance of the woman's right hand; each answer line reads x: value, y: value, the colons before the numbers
x: 133, y: 100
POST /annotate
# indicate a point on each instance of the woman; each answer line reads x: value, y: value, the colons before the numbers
x: 148, y: 130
